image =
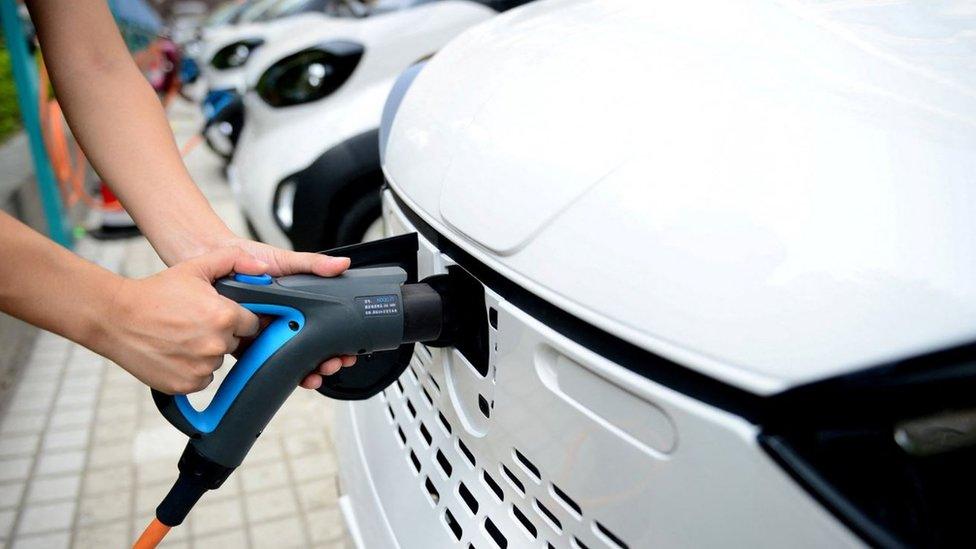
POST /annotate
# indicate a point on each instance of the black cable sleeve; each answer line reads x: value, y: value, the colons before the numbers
x: 197, y: 475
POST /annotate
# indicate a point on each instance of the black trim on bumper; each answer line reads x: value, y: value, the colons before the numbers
x: 640, y: 361
x: 327, y: 188
x: 881, y: 394
x: 882, y: 384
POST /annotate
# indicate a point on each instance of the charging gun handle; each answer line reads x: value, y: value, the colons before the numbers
x: 315, y: 318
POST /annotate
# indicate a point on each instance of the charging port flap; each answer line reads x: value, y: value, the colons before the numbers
x: 375, y: 371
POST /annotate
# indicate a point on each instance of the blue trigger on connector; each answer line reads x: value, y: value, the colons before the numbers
x: 288, y: 324
x: 260, y: 280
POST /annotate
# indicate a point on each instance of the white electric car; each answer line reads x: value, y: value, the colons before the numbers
x: 727, y: 253
x: 306, y: 166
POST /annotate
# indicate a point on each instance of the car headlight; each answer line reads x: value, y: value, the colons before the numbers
x: 397, y: 93
x: 889, y: 450
x: 284, y: 204
x: 236, y: 54
x: 309, y: 75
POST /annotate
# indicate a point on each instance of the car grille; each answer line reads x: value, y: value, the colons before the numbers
x: 546, y: 442
x: 480, y: 502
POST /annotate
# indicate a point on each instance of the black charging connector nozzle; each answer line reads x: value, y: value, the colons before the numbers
x: 423, y: 312
x: 197, y: 475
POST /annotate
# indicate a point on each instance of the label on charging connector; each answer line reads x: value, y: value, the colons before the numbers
x: 379, y: 305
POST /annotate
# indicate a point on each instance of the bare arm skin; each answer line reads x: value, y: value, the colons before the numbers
x: 172, y: 329
x: 115, y: 115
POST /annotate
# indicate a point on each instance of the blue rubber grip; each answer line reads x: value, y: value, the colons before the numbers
x: 275, y: 336
x: 259, y: 280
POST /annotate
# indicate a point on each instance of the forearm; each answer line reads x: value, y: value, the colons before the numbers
x: 52, y: 288
x: 120, y: 123
x: 132, y: 148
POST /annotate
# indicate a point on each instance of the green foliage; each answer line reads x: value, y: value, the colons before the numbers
x: 9, y: 112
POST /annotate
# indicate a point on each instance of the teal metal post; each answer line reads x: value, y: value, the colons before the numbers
x: 25, y: 79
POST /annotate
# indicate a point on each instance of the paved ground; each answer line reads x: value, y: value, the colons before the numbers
x: 85, y: 457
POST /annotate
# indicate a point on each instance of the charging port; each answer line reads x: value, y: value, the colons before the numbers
x: 465, y: 323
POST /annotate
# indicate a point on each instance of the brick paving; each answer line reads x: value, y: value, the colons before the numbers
x: 85, y: 456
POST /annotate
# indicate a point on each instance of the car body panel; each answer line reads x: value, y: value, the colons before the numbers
x: 287, y: 149
x: 600, y: 450
x: 775, y: 194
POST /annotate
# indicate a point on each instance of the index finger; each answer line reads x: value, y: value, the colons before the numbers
x: 247, y: 323
x: 289, y: 262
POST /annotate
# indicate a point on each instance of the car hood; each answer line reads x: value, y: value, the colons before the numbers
x: 773, y: 194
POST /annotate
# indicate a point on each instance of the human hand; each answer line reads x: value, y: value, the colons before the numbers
x: 286, y: 262
x: 171, y: 330
x: 282, y: 262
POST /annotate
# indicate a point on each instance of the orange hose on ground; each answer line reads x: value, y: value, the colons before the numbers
x: 191, y: 144
x: 152, y: 535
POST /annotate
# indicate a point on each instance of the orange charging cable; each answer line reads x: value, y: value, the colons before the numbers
x: 191, y: 144
x: 152, y: 535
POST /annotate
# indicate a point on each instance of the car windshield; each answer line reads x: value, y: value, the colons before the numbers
x: 255, y: 10
x: 363, y: 8
x: 225, y: 13
x: 285, y: 8
x: 266, y: 10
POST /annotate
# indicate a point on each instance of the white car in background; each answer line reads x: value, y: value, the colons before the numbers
x: 725, y: 267
x: 306, y: 166
x: 226, y: 49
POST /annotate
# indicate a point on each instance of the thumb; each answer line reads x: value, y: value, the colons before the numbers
x: 224, y: 261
